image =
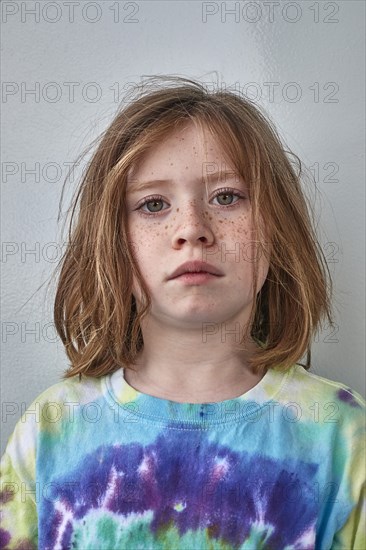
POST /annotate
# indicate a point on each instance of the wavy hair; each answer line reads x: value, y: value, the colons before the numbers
x: 95, y: 312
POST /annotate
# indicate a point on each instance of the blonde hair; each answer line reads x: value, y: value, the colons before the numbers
x: 95, y: 312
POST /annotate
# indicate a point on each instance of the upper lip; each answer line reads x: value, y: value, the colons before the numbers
x: 195, y: 267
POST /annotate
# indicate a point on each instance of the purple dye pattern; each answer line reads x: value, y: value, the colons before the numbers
x: 214, y: 483
x: 67, y: 536
x: 347, y: 397
x: 4, y: 538
x: 6, y: 496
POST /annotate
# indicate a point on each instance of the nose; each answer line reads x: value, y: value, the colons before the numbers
x: 193, y: 228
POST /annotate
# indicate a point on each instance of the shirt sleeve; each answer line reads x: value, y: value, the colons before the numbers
x: 352, y: 534
x: 18, y: 501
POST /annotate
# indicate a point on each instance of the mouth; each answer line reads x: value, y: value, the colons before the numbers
x: 195, y: 273
x: 197, y: 277
x: 196, y: 269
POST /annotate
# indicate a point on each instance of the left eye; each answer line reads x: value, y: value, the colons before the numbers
x: 154, y: 202
x: 227, y: 198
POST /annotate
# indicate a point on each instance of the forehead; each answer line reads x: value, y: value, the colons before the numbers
x: 188, y: 144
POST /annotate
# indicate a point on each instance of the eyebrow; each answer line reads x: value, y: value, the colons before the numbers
x: 136, y: 186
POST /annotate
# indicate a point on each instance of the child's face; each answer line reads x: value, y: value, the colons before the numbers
x: 184, y: 222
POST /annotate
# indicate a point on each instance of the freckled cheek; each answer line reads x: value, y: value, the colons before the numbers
x: 140, y: 232
x: 146, y: 258
x: 237, y: 231
x: 145, y: 243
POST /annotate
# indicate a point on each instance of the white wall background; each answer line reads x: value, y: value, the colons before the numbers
x: 303, y: 61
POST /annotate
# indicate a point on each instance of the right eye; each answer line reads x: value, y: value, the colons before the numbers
x: 154, y: 202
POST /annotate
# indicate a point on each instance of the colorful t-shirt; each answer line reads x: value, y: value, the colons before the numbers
x: 95, y: 464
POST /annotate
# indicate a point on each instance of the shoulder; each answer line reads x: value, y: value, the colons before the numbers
x: 324, y: 389
x: 70, y: 390
x: 51, y: 408
x: 325, y: 401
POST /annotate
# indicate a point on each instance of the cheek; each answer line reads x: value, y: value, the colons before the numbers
x: 238, y: 234
x: 146, y: 256
x: 140, y: 241
x: 141, y: 232
x: 252, y: 248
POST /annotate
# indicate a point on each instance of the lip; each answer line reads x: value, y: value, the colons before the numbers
x: 195, y: 268
x: 195, y: 278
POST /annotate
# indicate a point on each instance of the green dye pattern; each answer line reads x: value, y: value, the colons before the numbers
x: 107, y: 533
x: 257, y: 538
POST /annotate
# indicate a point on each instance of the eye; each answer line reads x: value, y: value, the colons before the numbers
x: 227, y: 196
x: 153, y: 205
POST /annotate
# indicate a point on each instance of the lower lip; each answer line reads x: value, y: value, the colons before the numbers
x: 196, y: 278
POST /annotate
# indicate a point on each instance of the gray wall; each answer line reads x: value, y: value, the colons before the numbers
x: 302, y: 61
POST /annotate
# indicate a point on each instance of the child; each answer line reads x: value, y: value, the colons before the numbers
x: 191, y: 424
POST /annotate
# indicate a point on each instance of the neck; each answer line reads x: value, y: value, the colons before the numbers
x: 193, y: 365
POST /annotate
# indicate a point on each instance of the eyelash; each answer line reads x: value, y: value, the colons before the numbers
x: 225, y: 191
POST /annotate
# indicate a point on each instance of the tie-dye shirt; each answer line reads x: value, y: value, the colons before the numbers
x: 95, y: 464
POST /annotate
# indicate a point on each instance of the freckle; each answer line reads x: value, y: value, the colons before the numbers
x: 171, y: 164
x: 220, y: 221
x: 177, y: 210
x: 186, y: 167
x: 166, y: 227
